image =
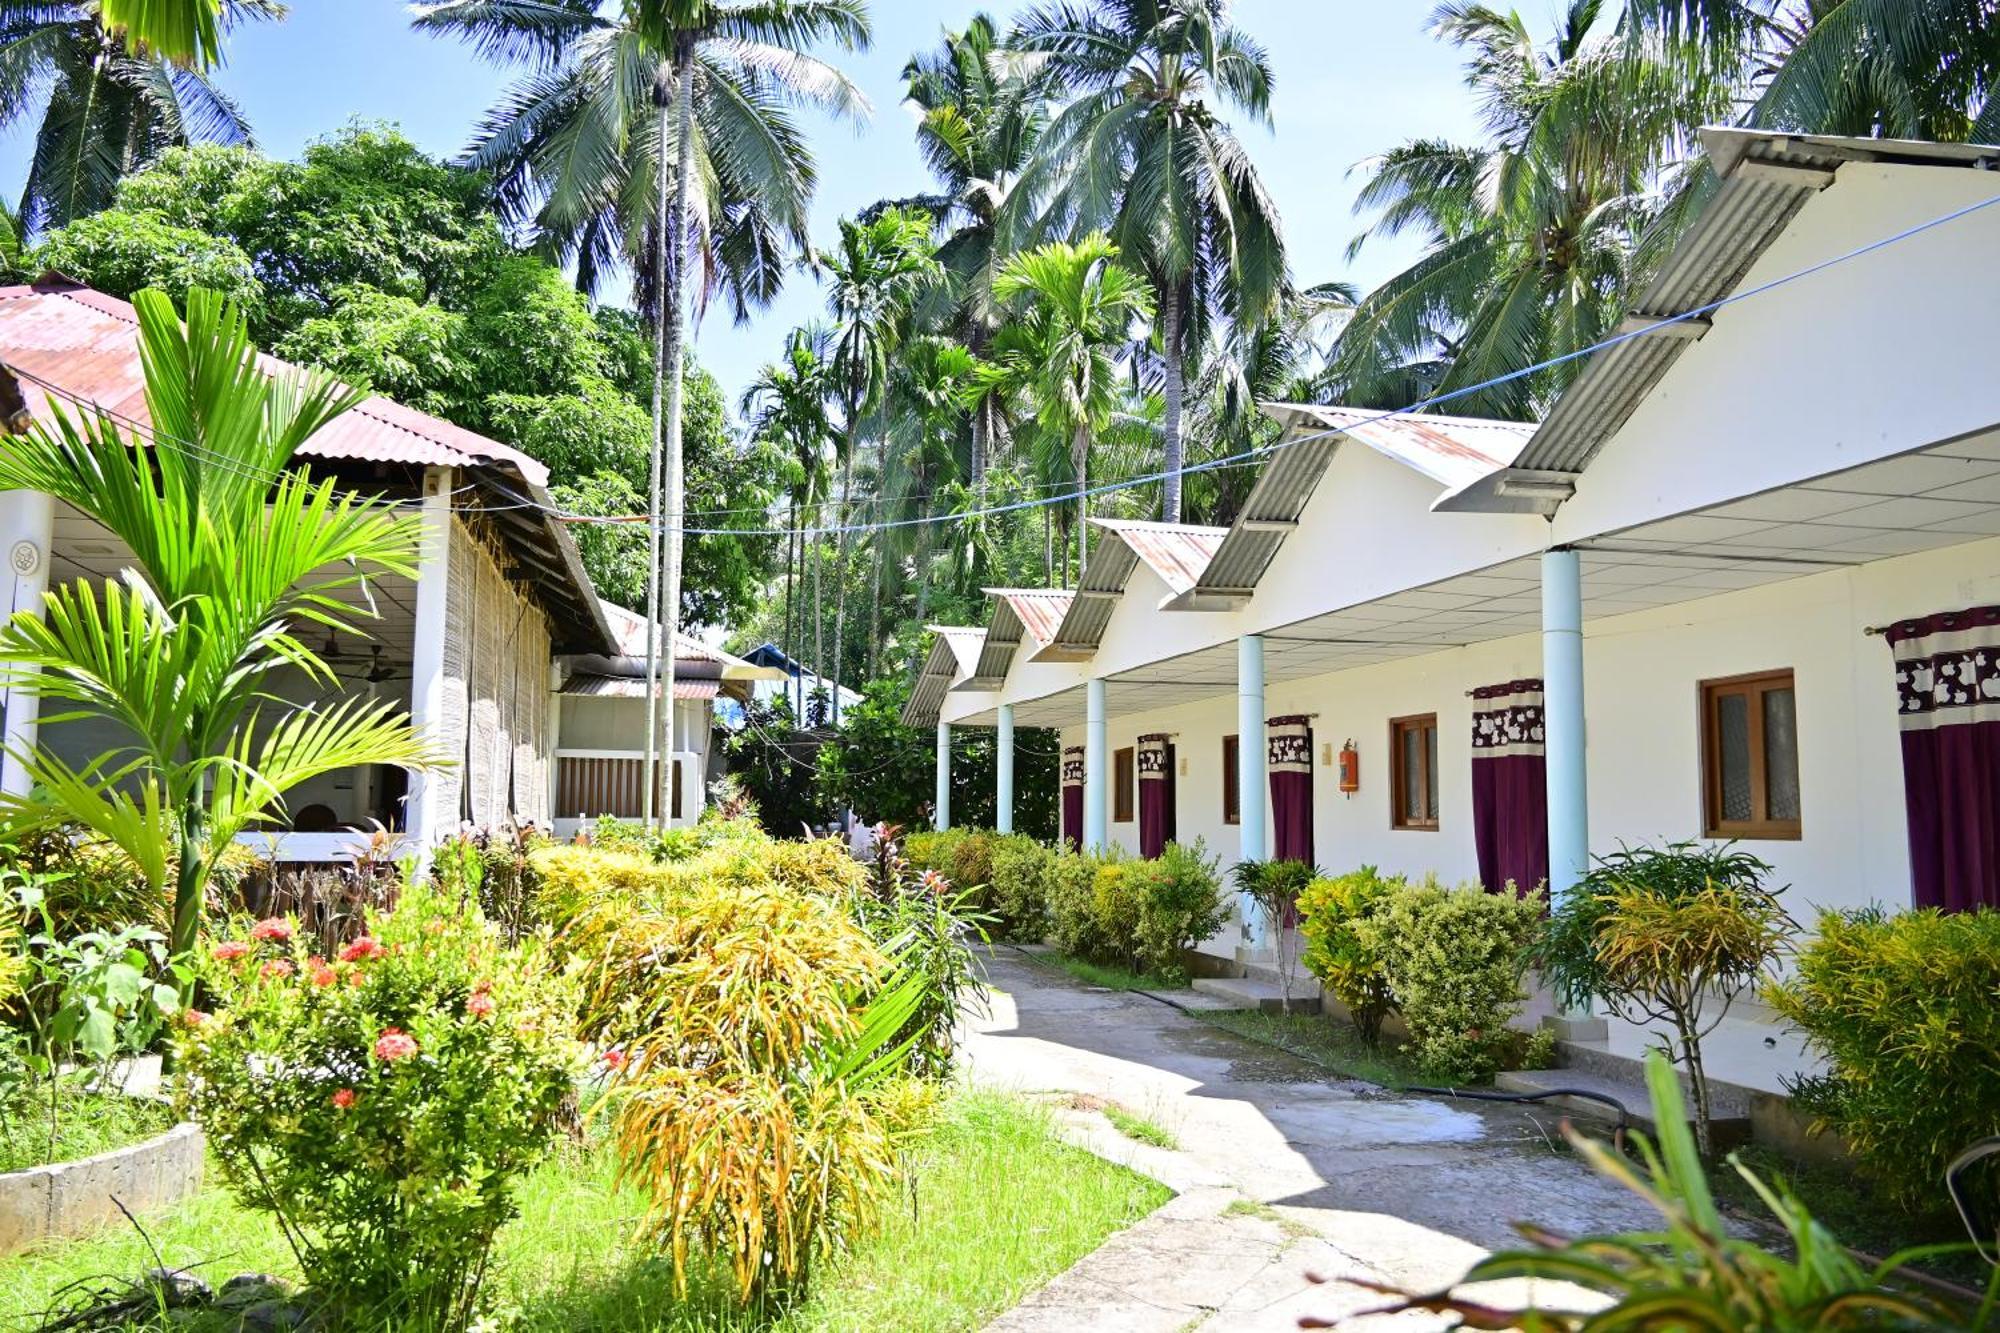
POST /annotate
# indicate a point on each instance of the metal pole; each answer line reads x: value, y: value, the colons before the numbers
x: 1096, y: 761
x: 1003, y: 769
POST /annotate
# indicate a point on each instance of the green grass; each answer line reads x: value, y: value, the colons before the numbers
x: 1105, y: 976
x: 1329, y: 1043
x: 85, y: 1124
x: 995, y: 1205
x: 1138, y: 1128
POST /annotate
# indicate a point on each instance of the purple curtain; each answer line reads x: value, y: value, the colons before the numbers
x: 1290, y: 754
x: 1156, y: 794
x: 1948, y: 691
x: 1510, y: 792
x: 1072, y: 797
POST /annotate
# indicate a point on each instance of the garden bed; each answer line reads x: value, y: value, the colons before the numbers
x: 993, y: 1205
x: 113, y: 1155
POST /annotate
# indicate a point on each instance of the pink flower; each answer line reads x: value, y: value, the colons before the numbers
x: 277, y: 967
x: 362, y: 950
x: 194, y: 1018
x: 229, y: 951
x: 614, y: 1059
x: 394, y: 1044
x: 480, y: 1005
x: 936, y: 883
x: 272, y: 928
x: 343, y: 1099
x: 321, y: 974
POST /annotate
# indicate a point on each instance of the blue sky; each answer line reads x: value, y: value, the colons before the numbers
x: 1353, y: 77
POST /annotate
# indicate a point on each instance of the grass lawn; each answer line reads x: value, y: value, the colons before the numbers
x: 85, y: 1124
x: 995, y: 1205
x: 1331, y: 1044
x: 1110, y: 978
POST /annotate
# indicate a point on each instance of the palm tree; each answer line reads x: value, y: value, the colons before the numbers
x: 572, y: 138
x: 873, y: 276
x: 984, y: 108
x: 1144, y: 154
x: 1533, y: 237
x: 107, y: 105
x: 1075, y: 306
x: 223, y: 530
x: 187, y: 32
x: 931, y: 433
x: 786, y: 403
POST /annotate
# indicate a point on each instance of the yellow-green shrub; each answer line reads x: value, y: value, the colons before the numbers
x: 1071, y: 890
x: 1019, y: 901
x: 1330, y: 909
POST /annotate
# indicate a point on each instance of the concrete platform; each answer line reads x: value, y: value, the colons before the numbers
x: 1256, y: 993
x: 1730, y: 1122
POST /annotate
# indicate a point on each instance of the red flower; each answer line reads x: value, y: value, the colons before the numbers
x: 343, y: 1099
x: 394, y: 1044
x: 936, y: 883
x: 229, y: 951
x: 272, y: 928
x: 362, y: 950
x: 480, y: 1005
x: 277, y: 967
x: 194, y: 1018
x: 321, y: 974
x: 614, y: 1059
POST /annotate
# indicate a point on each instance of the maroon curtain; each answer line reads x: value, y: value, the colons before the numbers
x: 1510, y: 791
x: 1072, y: 797
x: 1948, y: 688
x: 1156, y: 794
x: 1290, y: 754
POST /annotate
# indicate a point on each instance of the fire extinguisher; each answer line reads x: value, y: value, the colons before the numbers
x: 1350, y: 768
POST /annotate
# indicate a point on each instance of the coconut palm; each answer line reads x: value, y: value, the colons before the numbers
x: 107, y: 105
x: 786, y: 404
x: 187, y: 32
x: 984, y: 108
x: 873, y: 276
x: 223, y: 530
x: 1534, y: 236
x: 1144, y: 153
x: 1074, y: 307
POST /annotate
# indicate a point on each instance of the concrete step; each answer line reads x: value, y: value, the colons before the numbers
x: 1731, y: 1117
x: 1256, y: 993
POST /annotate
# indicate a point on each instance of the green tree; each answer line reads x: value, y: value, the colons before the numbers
x: 223, y: 531
x: 1143, y: 153
x: 186, y: 32
x: 108, y: 104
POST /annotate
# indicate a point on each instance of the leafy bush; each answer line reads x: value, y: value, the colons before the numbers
x: 1902, y: 1009
x: 382, y: 1103
x: 924, y: 922
x: 1182, y: 905
x: 962, y: 855
x: 1118, y: 910
x: 1453, y: 959
x: 1275, y: 886
x: 1697, y: 1271
x: 1330, y: 909
x: 1071, y: 894
x: 1656, y: 934
x: 1020, y: 897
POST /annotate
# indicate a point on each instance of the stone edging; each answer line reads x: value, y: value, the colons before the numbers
x: 68, y: 1199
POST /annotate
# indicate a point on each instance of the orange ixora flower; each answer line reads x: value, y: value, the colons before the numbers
x: 277, y: 967
x: 614, y: 1059
x: 272, y: 928
x: 319, y: 972
x: 362, y: 950
x: 194, y: 1018
x: 480, y: 1005
x: 343, y: 1099
x: 229, y: 951
x: 394, y: 1044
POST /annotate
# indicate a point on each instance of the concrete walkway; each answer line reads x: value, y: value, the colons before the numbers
x: 1280, y: 1170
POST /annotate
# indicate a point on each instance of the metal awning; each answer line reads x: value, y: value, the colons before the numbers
x: 1020, y: 615
x: 1176, y: 552
x: 589, y: 686
x: 954, y: 652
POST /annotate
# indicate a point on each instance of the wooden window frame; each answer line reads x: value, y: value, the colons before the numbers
x: 1124, y: 778
x: 1232, y: 780
x: 1399, y: 816
x: 1752, y: 685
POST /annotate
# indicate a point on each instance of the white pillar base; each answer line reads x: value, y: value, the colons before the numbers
x: 1096, y: 766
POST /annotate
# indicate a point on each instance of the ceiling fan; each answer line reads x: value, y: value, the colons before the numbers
x: 378, y: 671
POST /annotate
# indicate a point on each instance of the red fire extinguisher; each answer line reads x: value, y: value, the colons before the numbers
x: 1350, y: 768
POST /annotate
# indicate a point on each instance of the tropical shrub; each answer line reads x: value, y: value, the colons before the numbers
x: 1453, y: 960
x: 1019, y: 899
x: 962, y: 855
x: 1275, y: 886
x: 1181, y: 905
x: 1110, y: 908
x: 1696, y: 1271
x: 1071, y: 894
x: 1666, y: 935
x: 1902, y: 1010
x: 1330, y: 909
x: 381, y: 1103
x: 924, y: 922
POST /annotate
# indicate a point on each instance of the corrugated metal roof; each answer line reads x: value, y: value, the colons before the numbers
x: 1177, y: 552
x: 1270, y: 511
x: 1764, y: 179
x: 1453, y: 451
x: 87, y: 343
x: 1031, y: 614
x: 589, y: 686
x: 954, y: 651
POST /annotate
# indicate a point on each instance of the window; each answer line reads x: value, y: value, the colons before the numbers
x: 1750, y: 757
x: 1413, y: 761
x: 1232, y: 809
x: 1125, y: 774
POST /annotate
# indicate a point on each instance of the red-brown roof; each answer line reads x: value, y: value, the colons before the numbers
x: 87, y: 344
x: 1177, y: 552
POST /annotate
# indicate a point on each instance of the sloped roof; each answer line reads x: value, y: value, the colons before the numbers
x: 1176, y: 552
x: 1019, y: 614
x: 1452, y: 451
x: 953, y: 655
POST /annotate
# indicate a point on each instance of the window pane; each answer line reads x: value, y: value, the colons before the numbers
x: 1732, y: 727
x: 1413, y: 774
x: 1781, y: 754
x: 1431, y: 773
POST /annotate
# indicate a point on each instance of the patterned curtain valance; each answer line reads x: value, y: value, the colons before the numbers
x: 1947, y: 668
x: 1155, y: 757
x: 1290, y: 743
x: 1072, y: 766
x: 1507, y: 719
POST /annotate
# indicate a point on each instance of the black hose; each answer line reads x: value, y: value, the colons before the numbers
x: 1521, y: 1098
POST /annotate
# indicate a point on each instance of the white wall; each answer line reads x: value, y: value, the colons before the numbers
x: 1642, y: 672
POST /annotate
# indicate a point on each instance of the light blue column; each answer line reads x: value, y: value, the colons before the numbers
x: 941, y: 817
x: 1096, y: 777
x: 1003, y: 769
x: 1562, y: 713
x: 1252, y: 784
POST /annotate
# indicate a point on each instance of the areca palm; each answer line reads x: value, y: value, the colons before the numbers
x: 1075, y: 307
x: 930, y: 434
x: 107, y: 104
x: 786, y: 403
x: 223, y: 530
x: 1144, y: 153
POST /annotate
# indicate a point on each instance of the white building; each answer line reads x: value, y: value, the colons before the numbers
x: 1687, y: 568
